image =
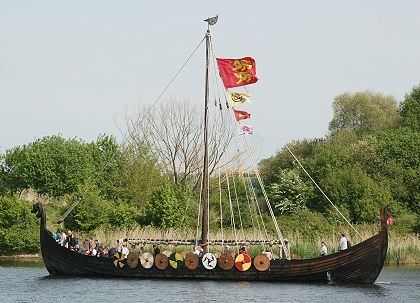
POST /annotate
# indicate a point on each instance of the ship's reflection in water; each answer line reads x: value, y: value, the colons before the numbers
x: 29, y: 282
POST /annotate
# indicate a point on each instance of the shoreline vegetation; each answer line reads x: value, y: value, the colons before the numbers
x: 402, y: 249
x: 142, y: 188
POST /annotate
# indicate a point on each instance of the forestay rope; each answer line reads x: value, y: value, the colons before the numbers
x: 316, y: 184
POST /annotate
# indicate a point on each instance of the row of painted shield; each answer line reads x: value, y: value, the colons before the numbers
x: 226, y: 261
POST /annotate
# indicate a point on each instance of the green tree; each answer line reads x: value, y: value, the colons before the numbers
x: 271, y: 168
x: 166, y: 208
x: 137, y: 176
x: 51, y: 165
x: 107, y: 158
x: 364, y: 113
x: 19, y: 229
x: 57, y: 166
x: 398, y: 151
x: 289, y: 193
x: 410, y: 109
x: 332, y: 154
x: 352, y: 189
x: 124, y: 215
x: 92, y: 212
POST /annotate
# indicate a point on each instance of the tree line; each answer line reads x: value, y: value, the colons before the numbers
x: 369, y: 158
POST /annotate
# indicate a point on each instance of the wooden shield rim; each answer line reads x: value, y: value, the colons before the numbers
x: 226, y: 261
x: 132, y: 256
x: 161, y: 261
x: 188, y: 263
x: 257, y: 263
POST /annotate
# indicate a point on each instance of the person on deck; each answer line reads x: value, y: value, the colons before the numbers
x: 57, y: 235
x: 97, y: 244
x: 86, y: 244
x: 71, y: 240
x: 324, y: 250
x: 198, y: 251
x: 112, y: 251
x: 105, y: 252
x: 343, y: 243
x: 120, y: 245
x: 125, y: 250
x: 63, y: 238
x: 268, y: 254
x: 283, y: 254
x: 243, y: 250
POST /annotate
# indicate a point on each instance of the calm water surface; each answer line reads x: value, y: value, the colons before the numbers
x: 29, y: 282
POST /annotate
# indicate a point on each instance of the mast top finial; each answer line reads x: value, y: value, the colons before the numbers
x: 212, y: 20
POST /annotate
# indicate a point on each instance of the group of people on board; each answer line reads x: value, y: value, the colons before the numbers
x: 343, y: 245
x: 92, y: 247
x: 88, y: 247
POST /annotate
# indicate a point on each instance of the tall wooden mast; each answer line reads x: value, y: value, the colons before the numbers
x: 205, y: 183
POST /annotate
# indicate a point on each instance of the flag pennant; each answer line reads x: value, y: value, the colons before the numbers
x: 238, y: 98
x: 246, y: 130
x: 241, y: 115
x: 237, y: 72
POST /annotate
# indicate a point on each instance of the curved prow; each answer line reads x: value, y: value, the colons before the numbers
x: 385, y: 214
x: 39, y: 210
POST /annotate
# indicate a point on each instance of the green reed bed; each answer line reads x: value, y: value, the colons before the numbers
x: 402, y: 249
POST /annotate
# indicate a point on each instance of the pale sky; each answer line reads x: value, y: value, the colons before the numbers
x: 73, y: 67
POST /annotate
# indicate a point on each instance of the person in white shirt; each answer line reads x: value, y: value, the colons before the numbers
x: 125, y: 251
x: 63, y: 239
x: 343, y: 242
x: 324, y: 250
x: 268, y: 254
x: 198, y: 251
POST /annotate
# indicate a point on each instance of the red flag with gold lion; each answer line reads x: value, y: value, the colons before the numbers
x: 237, y: 72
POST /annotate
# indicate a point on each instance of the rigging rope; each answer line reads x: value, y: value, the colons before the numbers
x: 279, y: 233
x: 149, y: 109
x: 198, y: 218
x: 232, y: 216
x: 220, y: 204
x: 251, y: 212
x: 314, y: 182
x: 257, y: 205
x: 247, y: 199
x: 215, y: 75
x: 239, y: 209
x: 325, y: 195
x: 177, y: 73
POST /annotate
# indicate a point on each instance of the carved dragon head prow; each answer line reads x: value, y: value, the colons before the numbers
x: 39, y: 210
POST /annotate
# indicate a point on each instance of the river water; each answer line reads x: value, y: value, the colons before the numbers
x: 30, y: 282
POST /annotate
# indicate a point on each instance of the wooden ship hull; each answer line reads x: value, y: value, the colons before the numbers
x: 361, y: 264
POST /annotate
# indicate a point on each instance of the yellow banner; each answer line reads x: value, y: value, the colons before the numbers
x: 238, y: 98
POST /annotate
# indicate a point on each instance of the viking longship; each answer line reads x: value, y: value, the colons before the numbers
x: 360, y: 263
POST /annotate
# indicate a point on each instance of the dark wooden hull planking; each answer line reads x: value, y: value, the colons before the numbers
x: 361, y: 263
